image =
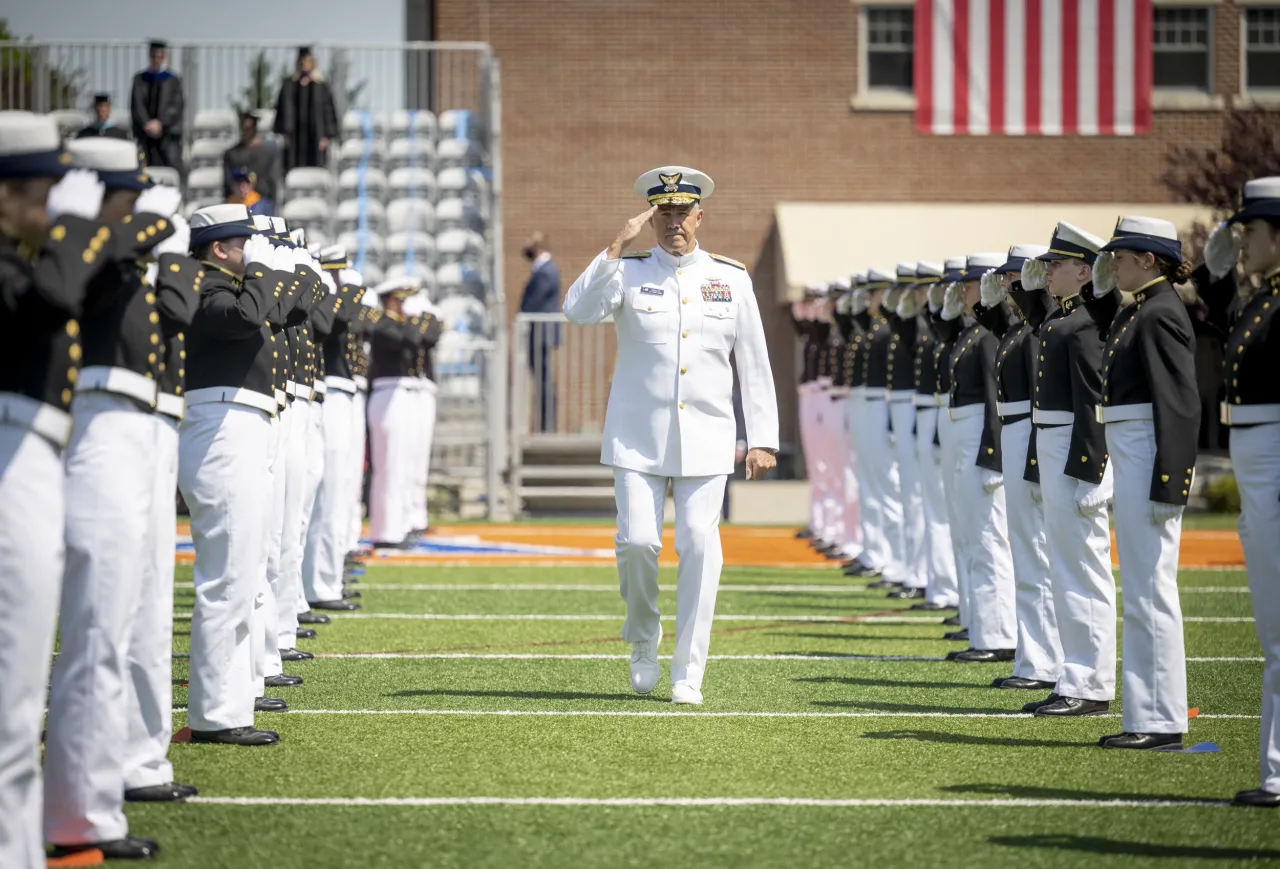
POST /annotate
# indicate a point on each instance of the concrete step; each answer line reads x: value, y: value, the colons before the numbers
x: 601, y: 473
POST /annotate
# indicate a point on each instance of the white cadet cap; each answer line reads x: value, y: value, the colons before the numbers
x: 30, y: 147
x: 114, y: 160
x: 906, y: 273
x: 878, y: 279
x: 1261, y: 198
x: 1072, y: 242
x: 1146, y: 234
x: 927, y: 272
x: 1019, y: 254
x: 403, y: 287
x: 978, y: 264
x: 841, y: 285
x: 219, y: 223
x: 674, y: 185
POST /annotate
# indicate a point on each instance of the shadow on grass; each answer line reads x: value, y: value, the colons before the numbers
x: 1099, y: 845
x: 908, y: 708
x: 889, y: 683
x: 826, y: 653
x: 969, y: 739
x: 1032, y: 792
x: 529, y: 695
x: 853, y: 637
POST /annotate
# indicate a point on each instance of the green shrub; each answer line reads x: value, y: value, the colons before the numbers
x: 1222, y: 494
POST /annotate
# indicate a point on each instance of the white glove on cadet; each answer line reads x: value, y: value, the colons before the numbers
x: 892, y: 296
x: 326, y: 278
x: 909, y: 305
x: 860, y: 300
x: 1104, y: 274
x: 158, y: 199
x: 180, y: 241
x: 258, y: 249
x: 1162, y: 512
x: 1091, y: 497
x: 953, y: 301
x: 1036, y: 495
x: 350, y: 278
x: 1222, y: 250
x: 992, y: 289
x: 936, y: 293
x: 991, y: 481
x: 79, y: 193
x: 1035, y: 275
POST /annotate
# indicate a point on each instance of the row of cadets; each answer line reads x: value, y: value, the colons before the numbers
x: 813, y: 330
x: 847, y: 531
x: 420, y: 308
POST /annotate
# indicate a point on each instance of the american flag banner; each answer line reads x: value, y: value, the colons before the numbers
x: 1033, y: 67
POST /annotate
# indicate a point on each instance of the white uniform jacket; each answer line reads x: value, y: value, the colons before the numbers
x: 678, y: 318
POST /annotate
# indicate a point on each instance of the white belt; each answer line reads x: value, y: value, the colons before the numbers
x: 341, y: 384
x: 923, y: 400
x: 1053, y: 417
x: 231, y: 395
x: 966, y: 412
x: 1249, y: 414
x: 823, y: 382
x: 121, y: 381
x: 1123, y: 412
x: 394, y: 382
x: 319, y: 388
x: 876, y: 393
x: 1013, y: 408
x: 282, y: 398
x: 942, y: 400
x: 45, y: 420
x: 362, y: 383
x: 170, y: 405
x: 902, y: 395
x: 858, y: 391
x: 290, y: 388
x: 302, y: 391
x: 430, y: 386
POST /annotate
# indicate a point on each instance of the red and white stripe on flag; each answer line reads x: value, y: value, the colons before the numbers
x: 1033, y: 67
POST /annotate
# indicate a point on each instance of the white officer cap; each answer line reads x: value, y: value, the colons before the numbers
x: 1020, y: 253
x: 334, y: 258
x: 841, y: 285
x: 815, y: 290
x: 927, y: 272
x: 401, y: 287
x: 878, y: 279
x: 219, y: 223
x: 674, y: 185
x: 859, y: 278
x: 115, y: 161
x: 1072, y: 242
x: 1146, y: 234
x: 978, y: 264
x: 906, y: 273
x: 1261, y: 198
x: 30, y: 147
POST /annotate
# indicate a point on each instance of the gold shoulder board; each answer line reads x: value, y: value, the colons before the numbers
x: 724, y: 259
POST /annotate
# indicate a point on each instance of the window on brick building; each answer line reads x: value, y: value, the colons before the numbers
x: 1181, y: 38
x: 890, y: 32
x: 1262, y: 49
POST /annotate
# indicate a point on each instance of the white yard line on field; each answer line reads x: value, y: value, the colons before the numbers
x: 636, y: 713
x: 698, y: 802
x: 531, y: 656
x: 733, y: 588
x: 726, y: 617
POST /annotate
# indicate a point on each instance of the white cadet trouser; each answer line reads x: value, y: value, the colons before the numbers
x: 315, y: 449
x: 804, y: 411
x: 947, y: 448
x: 940, y: 560
x: 846, y: 468
x: 150, y: 684
x: 267, y: 647
x: 359, y: 430
x: 424, y: 428
x: 223, y: 472
x: 295, y: 495
x: 698, y: 502
x: 391, y: 451
x: 1255, y: 457
x: 829, y: 483
x: 983, y: 538
x: 1084, y: 591
x: 31, y: 564
x: 878, y: 485
x: 1039, y: 652
x: 109, y: 486
x: 322, y: 562
x: 902, y: 416
x: 1153, y: 655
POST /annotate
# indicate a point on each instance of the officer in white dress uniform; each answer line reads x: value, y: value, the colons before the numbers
x: 679, y: 313
x: 50, y: 246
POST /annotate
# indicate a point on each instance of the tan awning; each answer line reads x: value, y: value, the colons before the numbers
x: 821, y: 241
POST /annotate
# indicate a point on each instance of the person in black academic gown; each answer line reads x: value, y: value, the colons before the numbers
x: 156, y: 107
x: 305, y: 115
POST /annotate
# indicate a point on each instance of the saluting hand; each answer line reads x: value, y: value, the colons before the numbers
x: 759, y: 463
x: 630, y: 231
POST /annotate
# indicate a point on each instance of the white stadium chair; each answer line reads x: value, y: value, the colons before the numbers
x: 205, y: 183
x: 455, y: 279
x: 420, y: 270
x: 221, y: 124
x: 459, y: 183
x: 461, y: 246
x: 372, y: 274
x: 193, y: 205
x: 458, y: 214
x: 207, y: 152
x: 266, y: 120
x: 412, y: 123
x: 70, y: 121
x: 354, y: 151
x: 458, y: 152
x: 401, y: 244
x: 363, y: 124
x: 166, y: 175
x: 412, y: 182
x: 311, y: 213
x: 410, y: 152
x: 308, y: 181
x: 463, y: 314
x: 372, y: 247
x: 374, y: 182
x: 348, y: 216
x: 411, y: 214
x: 461, y: 124
x: 122, y: 120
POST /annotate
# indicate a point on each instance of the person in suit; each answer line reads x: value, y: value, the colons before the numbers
x: 542, y: 296
x: 102, y: 125
x: 156, y: 107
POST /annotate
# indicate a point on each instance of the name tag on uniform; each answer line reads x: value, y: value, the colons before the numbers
x: 716, y: 291
x: 648, y: 290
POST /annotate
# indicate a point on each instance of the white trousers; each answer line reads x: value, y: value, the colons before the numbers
x: 698, y: 502
x: 289, y: 582
x: 1039, y: 652
x: 1255, y: 456
x: 878, y: 487
x: 1084, y: 591
x: 359, y: 431
x: 109, y: 485
x: 424, y: 432
x: 940, y: 560
x: 829, y: 436
x: 902, y: 416
x: 31, y: 565
x: 150, y: 684
x: 315, y: 451
x: 392, y: 448
x: 223, y: 474
x: 804, y: 410
x: 946, y: 440
x: 983, y: 540
x: 267, y: 647
x: 847, y: 468
x: 326, y: 547
x: 1154, y: 671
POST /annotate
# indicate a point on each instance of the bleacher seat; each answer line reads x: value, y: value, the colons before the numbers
x: 308, y: 181
x: 420, y: 270
x: 317, y: 238
x: 266, y: 120
x: 122, y: 120
x: 374, y: 181
x: 461, y: 246
x: 207, y: 152
x: 372, y: 274
x: 166, y: 175
x: 221, y: 124
x: 411, y: 214
x: 463, y: 314
x: 205, y: 183
x: 70, y: 121
x: 455, y: 279
x: 457, y: 152
x: 460, y: 124
x: 348, y: 216
x: 410, y: 152
x: 458, y: 214
x: 459, y: 183
x: 400, y: 245
x: 371, y: 246
x: 412, y: 123
x: 194, y: 204
x: 309, y: 212
x: 362, y: 124
x: 353, y: 151
x: 413, y: 182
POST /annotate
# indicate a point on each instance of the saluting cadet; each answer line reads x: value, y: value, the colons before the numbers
x: 943, y: 340
x: 679, y: 313
x: 420, y: 310
x: 1038, y: 662
x: 849, y: 530
x: 813, y: 336
x: 50, y: 249
x: 901, y: 395
x: 981, y: 535
x: 1071, y: 458
x: 1151, y: 408
x: 109, y: 485
x: 873, y: 548
x: 1252, y: 410
x: 819, y: 457
x: 359, y: 355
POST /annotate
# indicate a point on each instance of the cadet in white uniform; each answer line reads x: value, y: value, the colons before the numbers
x: 679, y: 313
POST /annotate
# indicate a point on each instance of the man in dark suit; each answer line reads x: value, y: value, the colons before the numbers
x: 156, y: 106
x: 542, y: 296
x: 102, y: 125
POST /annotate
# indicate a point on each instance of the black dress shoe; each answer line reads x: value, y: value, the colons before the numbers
x: 350, y: 595
x: 387, y: 544
x: 128, y: 848
x: 305, y: 633
x: 282, y: 680
x: 951, y: 656
x: 310, y: 618
x: 350, y: 581
x: 928, y: 607
x: 985, y: 656
x: 907, y: 594
x: 960, y: 636
x: 883, y: 583
x: 1142, y: 741
x: 342, y: 605
x: 295, y: 655
x: 270, y: 704
x: 1258, y: 798
x: 1040, y: 704
x: 236, y: 736
x: 173, y: 792
x: 861, y: 571
x: 804, y: 534
x: 952, y: 621
x: 1072, y: 707
x: 1018, y: 683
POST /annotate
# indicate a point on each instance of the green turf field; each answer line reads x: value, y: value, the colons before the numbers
x: 832, y: 735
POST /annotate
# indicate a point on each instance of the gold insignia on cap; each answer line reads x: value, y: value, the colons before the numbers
x: 64, y: 158
x: 671, y: 183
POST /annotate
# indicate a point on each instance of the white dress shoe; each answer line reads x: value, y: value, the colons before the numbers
x: 686, y: 694
x: 645, y: 670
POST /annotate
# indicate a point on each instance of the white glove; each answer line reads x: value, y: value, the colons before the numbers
x: 936, y: 293
x: 281, y: 259
x: 1222, y: 250
x: 909, y: 305
x: 1036, y: 495
x: 1091, y: 497
x: 991, y: 481
x: 306, y: 259
x: 158, y: 200
x: 861, y: 298
x: 326, y: 278
x: 1035, y: 274
x: 299, y: 237
x: 350, y: 278
x: 893, y: 295
x: 258, y: 249
x: 992, y: 289
x: 937, y: 456
x: 180, y: 241
x: 1104, y: 274
x: 1162, y: 512
x: 953, y: 301
x: 79, y: 193
x: 152, y: 272
x: 844, y: 304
